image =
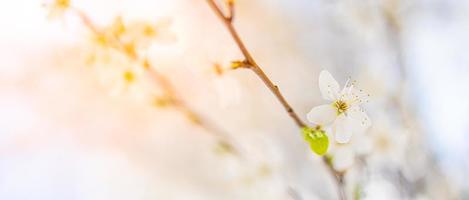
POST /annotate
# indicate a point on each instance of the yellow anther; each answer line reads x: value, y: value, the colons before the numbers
x: 149, y: 31
x: 129, y: 76
x: 62, y: 3
x: 340, y: 106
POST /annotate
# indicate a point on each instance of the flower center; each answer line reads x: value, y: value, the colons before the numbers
x: 129, y: 76
x: 62, y: 3
x: 341, y: 106
x: 383, y: 143
x: 149, y: 31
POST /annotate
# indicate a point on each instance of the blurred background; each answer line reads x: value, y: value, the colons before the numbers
x: 76, y: 124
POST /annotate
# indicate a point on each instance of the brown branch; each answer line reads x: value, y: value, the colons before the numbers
x: 230, y: 5
x: 250, y: 63
x: 338, y: 178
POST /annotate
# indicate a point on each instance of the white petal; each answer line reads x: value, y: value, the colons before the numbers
x: 342, y: 130
x: 328, y: 86
x: 362, y: 144
x: 355, y: 97
x: 362, y: 95
x: 354, y: 122
x: 344, y: 158
x: 359, y: 118
x: 322, y: 115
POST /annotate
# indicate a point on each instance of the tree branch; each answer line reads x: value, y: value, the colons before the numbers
x: 251, y: 64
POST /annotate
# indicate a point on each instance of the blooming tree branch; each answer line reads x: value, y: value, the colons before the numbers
x: 250, y: 63
x: 342, y: 118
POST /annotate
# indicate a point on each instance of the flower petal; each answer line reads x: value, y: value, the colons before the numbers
x: 359, y: 118
x: 356, y: 121
x: 328, y: 86
x: 322, y: 115
x: 355, y: 96
x: 362, y: 144
x: 342, y: 129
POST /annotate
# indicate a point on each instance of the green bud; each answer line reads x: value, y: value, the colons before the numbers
x: 317, y: 139
x: 357, y: 192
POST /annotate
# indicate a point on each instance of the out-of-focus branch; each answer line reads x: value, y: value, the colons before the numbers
x: 250, y: 63
x: 171, y: 96
x: 338, y: 178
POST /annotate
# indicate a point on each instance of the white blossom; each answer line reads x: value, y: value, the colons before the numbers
x: 388, y: 143
x: 343, y: 113
x: 344, y: 155
x: 57, y: 8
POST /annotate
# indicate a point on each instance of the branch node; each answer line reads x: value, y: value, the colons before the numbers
x: 230, y: 4
x: 240, y: 64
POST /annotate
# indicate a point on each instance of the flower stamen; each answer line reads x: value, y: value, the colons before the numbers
x: 340, y: 106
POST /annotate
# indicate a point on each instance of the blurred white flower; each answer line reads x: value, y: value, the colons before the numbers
x: 344, y: 157
x: 132, y: 82
x: 132, y: 39
x: 344, y: 113
x: 384, y: 145
x: 120, y: 77
x: 388, y: 143
x: 56, y: 8
x: 118, y: 52
x: 142, y: 33
x: 379, y: 188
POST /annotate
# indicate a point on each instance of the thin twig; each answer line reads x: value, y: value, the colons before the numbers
x: 250, y: 63
x: 338, y: 178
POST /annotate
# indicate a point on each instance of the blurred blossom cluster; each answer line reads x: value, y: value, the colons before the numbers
x: 155, y: 99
